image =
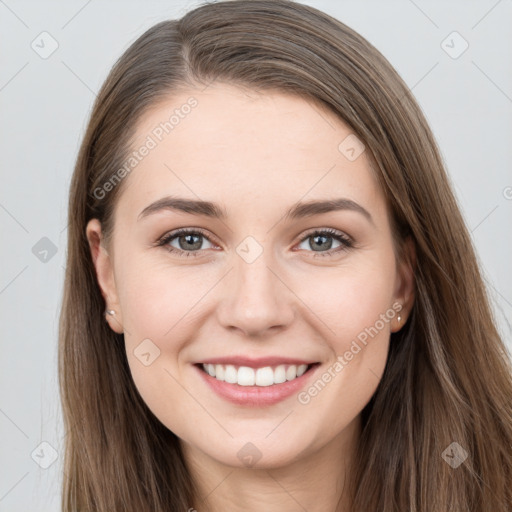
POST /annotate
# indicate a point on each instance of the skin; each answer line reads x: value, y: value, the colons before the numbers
x: 255, y: 155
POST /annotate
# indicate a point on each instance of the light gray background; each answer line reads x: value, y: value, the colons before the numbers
x: 45, y: 103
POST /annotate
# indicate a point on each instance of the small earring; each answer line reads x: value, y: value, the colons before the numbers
x: 111, y: 312
x: 399, y: 318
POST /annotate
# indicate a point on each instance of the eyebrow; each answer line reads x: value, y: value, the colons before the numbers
x: 209, y: 209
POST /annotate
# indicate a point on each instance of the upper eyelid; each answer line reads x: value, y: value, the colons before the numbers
x: 184, y: 231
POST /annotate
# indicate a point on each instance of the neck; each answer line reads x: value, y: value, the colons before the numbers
x: 317, y: 481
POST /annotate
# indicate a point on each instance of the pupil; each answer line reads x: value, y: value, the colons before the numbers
x: 323, y: 239
x: 189, y: 244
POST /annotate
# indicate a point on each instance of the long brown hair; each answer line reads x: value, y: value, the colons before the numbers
x: 448, y: 375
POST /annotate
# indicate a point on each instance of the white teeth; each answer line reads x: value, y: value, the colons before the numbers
x: 219, y: 372
x: 246, y: 376
x: 301, y: 369
x: 231, y: 374
x: 280, y: 374
x: 291, y: 372
x: 264, y: 376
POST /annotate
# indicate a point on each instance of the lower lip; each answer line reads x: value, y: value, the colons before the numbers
x: 256, y: 396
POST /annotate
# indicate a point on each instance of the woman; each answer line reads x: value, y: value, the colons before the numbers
x: 213, y: 356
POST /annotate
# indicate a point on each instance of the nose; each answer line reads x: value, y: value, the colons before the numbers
x: 256, y: 298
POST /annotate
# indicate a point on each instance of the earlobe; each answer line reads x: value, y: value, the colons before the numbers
x: 104, y: 275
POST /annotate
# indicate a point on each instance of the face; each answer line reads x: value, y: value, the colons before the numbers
x: 286, y: 287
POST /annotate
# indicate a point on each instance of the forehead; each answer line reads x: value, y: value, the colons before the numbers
x: 246, y: 148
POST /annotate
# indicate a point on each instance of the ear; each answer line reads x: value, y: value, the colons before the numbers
x: 404, y: 287
x: 104, y: 274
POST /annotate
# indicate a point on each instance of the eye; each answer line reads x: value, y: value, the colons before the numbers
x: 321, y: 241
x: 187, y: 242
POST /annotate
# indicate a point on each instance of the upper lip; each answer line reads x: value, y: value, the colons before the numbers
x: 259, y: 362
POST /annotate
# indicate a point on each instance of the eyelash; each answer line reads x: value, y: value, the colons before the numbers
x: 346, y: 242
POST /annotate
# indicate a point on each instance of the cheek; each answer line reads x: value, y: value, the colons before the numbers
x: 157, y: 298
x: 350, y: 300
x: 160, y: 307
x: 355, y: 309
x: 158, y: 310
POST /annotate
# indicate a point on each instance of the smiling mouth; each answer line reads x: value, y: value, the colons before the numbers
x: 263, y: 377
